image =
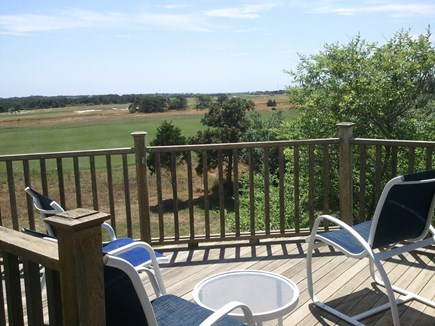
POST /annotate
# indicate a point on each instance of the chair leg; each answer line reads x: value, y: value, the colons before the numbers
x: 390, y: 288
x: 355, y: 320
x: 310, y: 288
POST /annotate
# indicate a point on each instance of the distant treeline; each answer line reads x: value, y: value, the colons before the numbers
x: 45, y: 102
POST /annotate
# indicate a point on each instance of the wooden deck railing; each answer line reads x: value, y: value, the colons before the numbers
x: 73, y: 268
x: 287, y: 184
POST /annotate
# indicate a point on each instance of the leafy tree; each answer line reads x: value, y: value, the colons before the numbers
x: 261, y: 129
x: 203, y: 101
x: 271, y: 102
x: 177, y: 103
x: 388, y: 90
x: 149, y: 104
x: 167, y: 134
x: 227, y: 123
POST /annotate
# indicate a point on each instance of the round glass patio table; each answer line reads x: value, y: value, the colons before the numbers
x: 268, y: 295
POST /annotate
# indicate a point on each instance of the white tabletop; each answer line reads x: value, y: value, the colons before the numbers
x: 268, y: 295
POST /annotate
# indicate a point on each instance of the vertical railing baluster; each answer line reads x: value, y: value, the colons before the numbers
x: 190, y: 194
x: 236, y: 192
x: 61, y: 182
x: 221, y: 194
x: 174, y: 184
x: 2, y: 300
x: 311, y: 207
x: 266, y: 185
x: 110, y: 187
x: 76, y: 167
x: 27, y: 182
x: 362, y: 212
x: 160, y: 197
x: 127, y: 195
x: 297, y: 200
x: 378, y: 172
x: 12, y: 196
x: 282, y: 199
x: 326, y: 180
x: 33, y: 293
x: 93, y: 182
x: 394, y: 150
x: 44, y: 182
x: 13, y: 289
x: 206, y: 195
x: 251, y: 192
x: 429, y: 160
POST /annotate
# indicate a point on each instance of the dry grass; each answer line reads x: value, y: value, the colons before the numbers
x: 96, y: 114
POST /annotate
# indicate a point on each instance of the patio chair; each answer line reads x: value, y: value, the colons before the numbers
x: 127, y: 301
x: 401, y: 223
x: 138, y: 257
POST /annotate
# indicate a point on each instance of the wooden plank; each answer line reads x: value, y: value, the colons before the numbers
x: 13, y: 289
x: 33, y: 293
x: 189, y: 266
x: 29, y: 247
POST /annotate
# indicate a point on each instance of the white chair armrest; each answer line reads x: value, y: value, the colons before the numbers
x: 218, y: 314
x: 110, y: 230
x: 156, y: 274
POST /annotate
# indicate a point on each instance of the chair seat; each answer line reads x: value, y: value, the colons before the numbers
x: 171, y: 310
x: 135, y: 256
x: 345, y: 240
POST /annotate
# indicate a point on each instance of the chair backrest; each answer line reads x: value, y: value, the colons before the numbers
x: 405, y: 209
x: 126, y: 299
x: 46, y: 207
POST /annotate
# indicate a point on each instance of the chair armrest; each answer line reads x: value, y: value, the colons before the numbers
x: 313, y: 237
x: 224, y: 310
x: 110, y: 230
x: 155, y: 276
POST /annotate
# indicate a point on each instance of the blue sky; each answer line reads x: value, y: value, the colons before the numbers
x: 88, y: 47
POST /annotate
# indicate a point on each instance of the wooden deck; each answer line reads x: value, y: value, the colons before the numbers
x: 347, y: 283
x: 340, y: 281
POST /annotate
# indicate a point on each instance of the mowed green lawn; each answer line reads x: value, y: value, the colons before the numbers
x: 88, y: 135
x: 95, y: 133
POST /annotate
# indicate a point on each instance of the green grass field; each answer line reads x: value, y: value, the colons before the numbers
x: 29, y: 133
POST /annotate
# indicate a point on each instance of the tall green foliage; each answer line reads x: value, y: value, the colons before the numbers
x: 387, y: 90
x: 167, y: 134
x: 227, y: 122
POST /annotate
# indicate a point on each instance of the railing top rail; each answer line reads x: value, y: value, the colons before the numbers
x: 64, y: 154
x: 223, y: 146
x: 29, y: 247
x: 393, y: 142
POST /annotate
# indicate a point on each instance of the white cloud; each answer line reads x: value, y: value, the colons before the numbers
x: 26, y: 24
x: 245, y: 12
x: 370, y: 7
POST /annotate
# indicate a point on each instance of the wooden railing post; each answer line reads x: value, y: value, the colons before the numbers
x: 345, y: 172
x: 142, y: 185
x: 81, y: 266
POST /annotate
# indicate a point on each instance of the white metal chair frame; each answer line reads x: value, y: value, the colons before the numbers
x: 146, y: 266
x: 156, y: 280
x: 316, y: 240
